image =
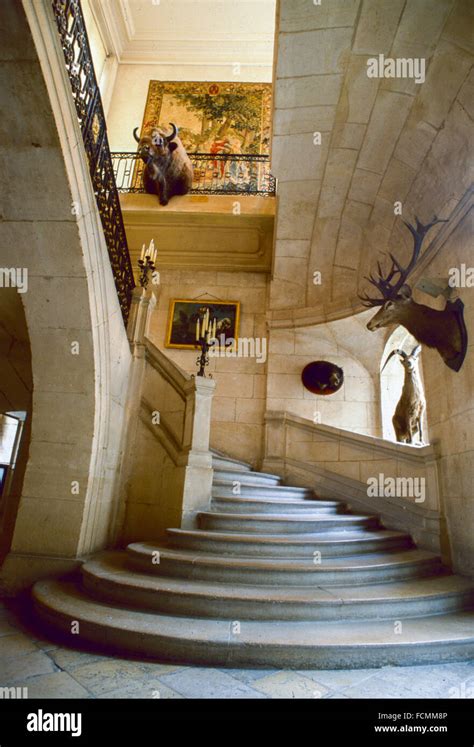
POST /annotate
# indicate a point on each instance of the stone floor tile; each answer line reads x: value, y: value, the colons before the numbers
x: 433, y: 681
x: 56, y: 685
x: 151, y: 688
x: 13, y: 646
x: 197, y: 682
x: 70, y: 658
x: 153, y: 668
x: 334, y: 679
x: 336, y: 696
x: 289, y: 684
x: 101, y: 677
x: 248, y: 675
x: 20, y: 668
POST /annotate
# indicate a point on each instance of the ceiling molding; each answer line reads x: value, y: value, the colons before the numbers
x: 202, y: 63
x: 127, y: 17
x: 219, y: 46
x: 110, y: 25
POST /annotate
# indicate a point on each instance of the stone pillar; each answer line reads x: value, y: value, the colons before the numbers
x: 199, y: 472
x: 144, y: 301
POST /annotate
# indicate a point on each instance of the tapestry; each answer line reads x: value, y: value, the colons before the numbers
x: 212, y: 117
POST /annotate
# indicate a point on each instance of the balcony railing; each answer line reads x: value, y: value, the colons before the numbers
x: 219, y: 174
x: 86, y: 95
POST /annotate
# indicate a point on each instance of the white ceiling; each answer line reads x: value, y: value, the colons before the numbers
x: 194, y: 32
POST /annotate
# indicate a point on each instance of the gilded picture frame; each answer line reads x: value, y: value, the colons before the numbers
x: 184, y: 313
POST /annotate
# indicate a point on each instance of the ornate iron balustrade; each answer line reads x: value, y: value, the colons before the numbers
x: 86, y: 95
x: 214, y: 174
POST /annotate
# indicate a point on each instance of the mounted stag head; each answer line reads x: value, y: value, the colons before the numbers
x: 444, y: 330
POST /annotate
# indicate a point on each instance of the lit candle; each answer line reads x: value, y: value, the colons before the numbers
x: 142, y: 255
x: 197, y: 330
x: 151, y: 249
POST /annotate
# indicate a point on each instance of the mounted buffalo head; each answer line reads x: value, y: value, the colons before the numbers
x: 168, y: 169
x: 157, y: 144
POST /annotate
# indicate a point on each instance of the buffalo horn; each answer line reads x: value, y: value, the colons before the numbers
x: 173, y: 134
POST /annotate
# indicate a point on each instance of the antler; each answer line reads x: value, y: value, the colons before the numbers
x: 384, y: 283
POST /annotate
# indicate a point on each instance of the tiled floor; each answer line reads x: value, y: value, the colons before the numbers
x: 48, y: 670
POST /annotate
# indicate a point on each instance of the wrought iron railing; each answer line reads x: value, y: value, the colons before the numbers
x: 86, y: 95
x: 214, y: 174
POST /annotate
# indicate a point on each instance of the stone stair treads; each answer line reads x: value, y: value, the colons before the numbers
x: 109, y: 578
x: 272, y: 576
x: 299, y: 645
x: 331, y: 544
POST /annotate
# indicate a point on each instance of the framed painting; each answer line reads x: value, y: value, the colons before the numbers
x: 183, y: 315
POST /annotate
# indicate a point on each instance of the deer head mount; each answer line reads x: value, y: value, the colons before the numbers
x: 444, y: 330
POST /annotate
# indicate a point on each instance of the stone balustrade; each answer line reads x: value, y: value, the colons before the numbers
x: 341, y: 464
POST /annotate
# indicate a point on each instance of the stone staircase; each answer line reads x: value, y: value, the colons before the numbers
x: 272, y: 577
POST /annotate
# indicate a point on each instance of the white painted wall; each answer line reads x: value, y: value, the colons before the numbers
x: 96, y: 43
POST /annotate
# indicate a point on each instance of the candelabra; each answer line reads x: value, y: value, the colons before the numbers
x: 203, y: 358
x: 146, y: 263
x: 205, y: 339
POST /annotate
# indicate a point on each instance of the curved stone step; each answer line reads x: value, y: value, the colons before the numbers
x: 256, y: 478
x: 222, y: 489
x: 281, y: 523
x: 270, y: 505
x: 330, y: 544
x: 226, y: 462
x: 361, y: 569
x: 298, y: 645
x: 108, y: 578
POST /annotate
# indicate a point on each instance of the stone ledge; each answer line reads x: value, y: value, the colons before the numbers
x: 421, y: 454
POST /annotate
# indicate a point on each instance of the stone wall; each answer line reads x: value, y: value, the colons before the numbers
x: 79, y: 349
x: 239, y: 400
x: 450, y: 407
x: 348, y: 344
